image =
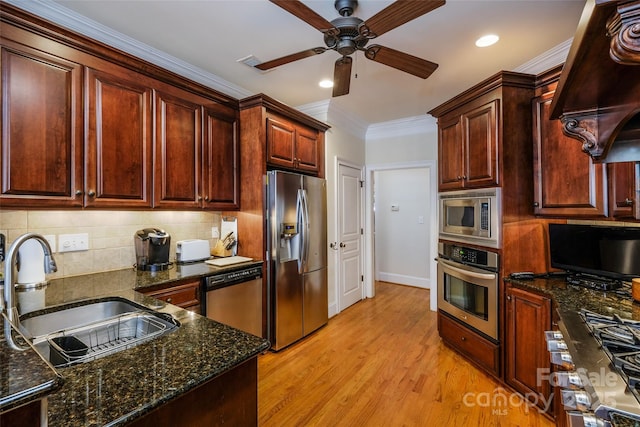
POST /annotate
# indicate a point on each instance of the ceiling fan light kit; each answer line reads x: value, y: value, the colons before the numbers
x: 348, y: 34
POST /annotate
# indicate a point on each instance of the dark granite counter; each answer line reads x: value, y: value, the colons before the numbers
x: 123, y: 386
x: 571, y: 298
x: 24, y: 376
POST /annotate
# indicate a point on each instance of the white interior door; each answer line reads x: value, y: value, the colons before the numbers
x: 349, y: 244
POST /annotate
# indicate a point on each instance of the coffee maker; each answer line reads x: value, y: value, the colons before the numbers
x: 152, y: 249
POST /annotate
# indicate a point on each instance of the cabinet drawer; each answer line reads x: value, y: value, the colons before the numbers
x: 186, y: 295
x: 478, y: 349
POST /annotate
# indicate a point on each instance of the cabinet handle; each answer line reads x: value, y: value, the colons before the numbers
x: 91, y: 193
x: 628, y: 202
x: 78, y: 192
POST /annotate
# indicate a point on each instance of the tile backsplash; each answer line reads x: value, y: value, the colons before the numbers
x: 111, y: 243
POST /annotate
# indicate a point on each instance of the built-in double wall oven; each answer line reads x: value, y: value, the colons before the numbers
x: 468, y: 284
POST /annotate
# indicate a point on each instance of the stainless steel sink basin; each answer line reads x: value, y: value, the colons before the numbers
x: 80, y: 333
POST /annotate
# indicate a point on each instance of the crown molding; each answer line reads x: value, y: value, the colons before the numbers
x: 549, y: 59
x: 328, y: 112
x: 402, y: 127
x: 71, y: 20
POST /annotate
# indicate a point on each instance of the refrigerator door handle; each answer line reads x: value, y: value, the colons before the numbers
x: 305, y: 227
x: 301, y: 230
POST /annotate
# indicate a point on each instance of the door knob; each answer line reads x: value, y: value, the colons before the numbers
x: 343, y: 245
x: 334, y: 246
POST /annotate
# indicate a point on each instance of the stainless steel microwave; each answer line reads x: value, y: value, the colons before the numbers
x: 471, y: 216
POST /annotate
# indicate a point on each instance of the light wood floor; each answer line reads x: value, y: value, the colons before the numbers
x: 381, y: 363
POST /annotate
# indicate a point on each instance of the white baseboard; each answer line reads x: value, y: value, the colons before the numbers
x: 333, y: 310
x: 402, y: 279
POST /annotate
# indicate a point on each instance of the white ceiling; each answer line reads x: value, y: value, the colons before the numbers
x: 211, y: 35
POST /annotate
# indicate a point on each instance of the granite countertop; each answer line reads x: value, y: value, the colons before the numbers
x: 123, y: 386
x: 570, y: 298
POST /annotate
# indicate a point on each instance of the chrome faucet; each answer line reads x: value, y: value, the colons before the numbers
x: 10, y: 307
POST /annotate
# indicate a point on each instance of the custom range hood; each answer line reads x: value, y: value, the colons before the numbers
x: 598, y: 95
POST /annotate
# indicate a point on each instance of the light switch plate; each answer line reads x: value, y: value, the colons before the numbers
x: 73, y: 242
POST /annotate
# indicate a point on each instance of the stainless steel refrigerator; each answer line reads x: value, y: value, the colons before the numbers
x: 297, y: 256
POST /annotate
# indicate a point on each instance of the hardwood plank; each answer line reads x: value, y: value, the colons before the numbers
x: 381, y: 362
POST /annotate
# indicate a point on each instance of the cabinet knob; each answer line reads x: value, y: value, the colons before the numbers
x: 206, y: 198
x: 463, y: 338
x: 459, y: 178
x: 508, y: 297
x: 78, y: 192
x: 628, y: 202
x: 169, y: 300
x: 91, y: 193
x: 536, y: 204
x: 199, y: 198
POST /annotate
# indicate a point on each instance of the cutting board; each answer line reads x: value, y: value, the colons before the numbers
x: 223, y: 262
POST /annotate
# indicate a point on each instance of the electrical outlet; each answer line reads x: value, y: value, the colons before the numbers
x: 215, y: 233
x: 73, y: 242
x: 51, y: 238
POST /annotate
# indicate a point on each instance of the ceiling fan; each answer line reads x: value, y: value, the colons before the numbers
x: 349, y: 34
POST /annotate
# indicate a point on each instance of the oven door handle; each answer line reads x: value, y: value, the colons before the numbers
x: 464, y: 271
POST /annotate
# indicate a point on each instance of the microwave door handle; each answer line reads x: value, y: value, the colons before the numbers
x: 482, y: 276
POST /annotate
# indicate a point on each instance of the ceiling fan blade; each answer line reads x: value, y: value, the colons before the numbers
x: 290, y: 58
x: 300, y: 10
x: 396, y: 14
x: 399, y: 60
x: 342, y: 76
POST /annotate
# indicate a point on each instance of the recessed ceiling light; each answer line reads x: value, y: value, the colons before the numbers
x: 487, y: 40
x: 325, y: 83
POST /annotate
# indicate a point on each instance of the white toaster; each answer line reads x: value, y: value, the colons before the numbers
x: 192, y: 250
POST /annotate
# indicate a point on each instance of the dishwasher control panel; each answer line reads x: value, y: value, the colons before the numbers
x: 232, y: 277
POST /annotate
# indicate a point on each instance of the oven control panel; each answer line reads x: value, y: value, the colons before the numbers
x: 472, y: 256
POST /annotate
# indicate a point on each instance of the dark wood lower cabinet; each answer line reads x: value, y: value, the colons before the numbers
x: 528, y: 316
x: 29, y: 415
x: 229, y: 399
x: 478, y: 349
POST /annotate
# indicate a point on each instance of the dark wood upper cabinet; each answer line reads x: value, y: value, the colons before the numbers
x: 293, y: 146
x: 119, y: 140
x: 566, y: 182
x: 178, y: 152
x: 85, y: 125
x: 41, y: 127
x: 221, y: 174
x: 482, y: 135
x: 468, y: 142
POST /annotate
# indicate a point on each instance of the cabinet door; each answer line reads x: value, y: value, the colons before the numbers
x: 480, y: 129
x: 307, y: 156
x: 528, y: 316
x: 622, y: 190
x: 221, y: 174
x: 450, y: 154
x: 566, y: 181
x: 281, y: 136
x: 119, y: 140
x: 41, y: 128
x: 178, y: 152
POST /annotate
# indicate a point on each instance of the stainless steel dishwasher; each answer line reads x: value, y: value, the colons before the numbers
x: 235, y: 298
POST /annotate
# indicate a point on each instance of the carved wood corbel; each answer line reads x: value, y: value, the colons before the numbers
x: 584, y: 128
x: 624, y: 30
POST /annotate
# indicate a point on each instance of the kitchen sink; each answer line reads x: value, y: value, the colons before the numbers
x: 76, y: 333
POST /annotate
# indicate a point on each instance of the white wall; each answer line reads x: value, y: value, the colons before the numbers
x: 344, y: 141
x: 403, y: 145
x: 402, y: 226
